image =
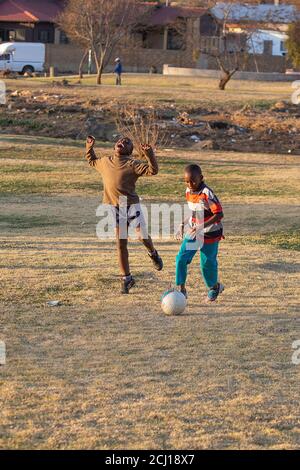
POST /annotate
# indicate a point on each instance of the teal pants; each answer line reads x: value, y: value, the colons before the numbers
x: 208, y: 262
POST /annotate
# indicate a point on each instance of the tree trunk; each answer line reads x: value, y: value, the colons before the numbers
x: 224, y: 80
x: 80, y: 72
x: 225, y: 77
x: 100, y: 71
x: 99, y: 76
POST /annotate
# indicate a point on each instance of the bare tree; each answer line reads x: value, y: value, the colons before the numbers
x: 228, y: 49
x: 141, y: 126
x: 99, y: 25
x: 226, y: 53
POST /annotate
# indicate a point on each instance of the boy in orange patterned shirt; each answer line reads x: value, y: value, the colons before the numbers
x: 201, y: 199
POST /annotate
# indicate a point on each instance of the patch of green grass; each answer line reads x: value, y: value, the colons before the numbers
x: 288, y: 239
x: 27, y: 169
x: 45, y: 185
x: 28, y: 124
x: 263, y: 104
x: 25, y: 222
x: 173, y: 186
x: 166, y: 188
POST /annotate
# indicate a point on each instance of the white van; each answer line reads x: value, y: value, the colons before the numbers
x: 22, y: 56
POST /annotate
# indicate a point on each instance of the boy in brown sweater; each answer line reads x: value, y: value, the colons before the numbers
x: 120, y: 173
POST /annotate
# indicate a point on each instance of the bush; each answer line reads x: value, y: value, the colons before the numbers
x: 293, y: 43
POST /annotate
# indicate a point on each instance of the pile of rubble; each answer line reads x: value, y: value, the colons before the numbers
x: 56, y: 111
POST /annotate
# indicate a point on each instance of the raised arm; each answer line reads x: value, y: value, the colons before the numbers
x: 148, y: 168
x: 90, y: 154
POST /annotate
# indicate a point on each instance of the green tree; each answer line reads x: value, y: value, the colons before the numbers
x: 293, y: 43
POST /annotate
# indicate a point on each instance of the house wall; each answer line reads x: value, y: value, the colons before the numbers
x: 256, y: 42
x: 66, y: 58
x: 135, y: 58
x: 29, y: 32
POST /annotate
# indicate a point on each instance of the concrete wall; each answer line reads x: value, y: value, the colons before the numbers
x: 271, y: 76
x: 256, y: 63
x: 66, y: 58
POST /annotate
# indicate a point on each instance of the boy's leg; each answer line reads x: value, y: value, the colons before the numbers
x: 122, y: 248
x: 183, y: 259
x: 209, y: 263
x: 152, y: 252
x: 209, y: 268
x: 147, y: 242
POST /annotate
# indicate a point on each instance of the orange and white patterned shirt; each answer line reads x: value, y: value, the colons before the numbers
x: 204, y: 204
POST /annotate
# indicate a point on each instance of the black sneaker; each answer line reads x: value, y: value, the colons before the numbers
x: 156, y: 260
x: 184, y: 292
x: 126, y: 285
x: 214, y: 292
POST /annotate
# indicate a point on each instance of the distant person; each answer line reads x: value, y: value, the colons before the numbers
x: 118, y: 71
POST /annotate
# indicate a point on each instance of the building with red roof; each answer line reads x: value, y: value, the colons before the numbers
x: 171, y: 34
x: 29, y: 20
x: 157, y: 41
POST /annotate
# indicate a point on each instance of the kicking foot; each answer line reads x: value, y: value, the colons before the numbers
x: 156, y: 260
x: 214, y: 292
x: 127, y: 283
x: 184, y: 292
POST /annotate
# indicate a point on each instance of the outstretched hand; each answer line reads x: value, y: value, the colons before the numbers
x: 148, y: 150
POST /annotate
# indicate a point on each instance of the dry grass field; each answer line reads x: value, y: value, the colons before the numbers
x: 144, y: 87
x: 104, y: 371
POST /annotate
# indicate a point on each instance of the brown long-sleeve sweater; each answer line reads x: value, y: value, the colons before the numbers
x: 120, y: 174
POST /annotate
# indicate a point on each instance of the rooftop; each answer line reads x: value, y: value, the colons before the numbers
x: 29, y: 10
x: 47, y: 10
x: 265, y: 13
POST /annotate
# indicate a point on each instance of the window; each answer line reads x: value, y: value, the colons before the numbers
x: 12, y: 35
x: 175, y: 40
x: 44, y: 36
x: 268, y: 47
x: 282, y: 46
x: 153, y: 39
x: 5, y: 57
x: 4, y: 35
x: 20, y: 35
x: 63, y: 38
x: 17, y: 35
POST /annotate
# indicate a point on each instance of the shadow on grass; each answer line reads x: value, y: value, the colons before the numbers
x: 27, y: 222
x: 281, y: 267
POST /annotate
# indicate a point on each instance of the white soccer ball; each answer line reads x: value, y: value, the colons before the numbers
x: 173, y: 302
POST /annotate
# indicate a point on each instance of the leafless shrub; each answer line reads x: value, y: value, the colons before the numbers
x: 142, y: 126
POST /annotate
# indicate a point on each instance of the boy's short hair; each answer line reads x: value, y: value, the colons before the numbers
x: 194, y: 170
